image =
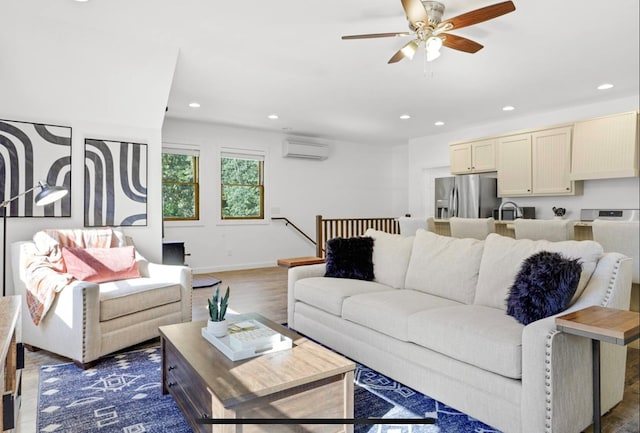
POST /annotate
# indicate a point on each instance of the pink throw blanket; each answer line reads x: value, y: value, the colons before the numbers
x: 45, y: 270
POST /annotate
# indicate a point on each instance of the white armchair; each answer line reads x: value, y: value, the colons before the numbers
x: 87, y: 320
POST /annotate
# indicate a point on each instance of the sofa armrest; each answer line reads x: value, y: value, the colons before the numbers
x: 297, y: 273
x: 177, y: 274
x: 556, y: 367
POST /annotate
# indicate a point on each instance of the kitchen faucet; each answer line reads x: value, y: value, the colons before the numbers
x: 518, y: 209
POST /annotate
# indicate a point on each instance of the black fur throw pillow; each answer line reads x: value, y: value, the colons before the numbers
x: 350, y: 258
x: 543, y: 287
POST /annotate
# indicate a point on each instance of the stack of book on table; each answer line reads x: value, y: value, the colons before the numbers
x: 248, y: 338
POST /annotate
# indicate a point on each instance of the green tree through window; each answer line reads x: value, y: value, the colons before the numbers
x: 242, y: 183
x: 180, y: 187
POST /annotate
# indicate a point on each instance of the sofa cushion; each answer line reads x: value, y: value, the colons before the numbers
x: 328, y: 293
x: 478, y: 335
x: 503, y: 257
x: 543, y: 287
x: 98, y: 265
x: 391, y: 254
x: 388, y: 312
x: 350, y: 258
x: 444, y: 266
x: 120, y: 298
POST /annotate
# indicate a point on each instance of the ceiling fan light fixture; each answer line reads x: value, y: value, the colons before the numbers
x: 432, y: 47
x: 434, y: 43
x: 432, y: 55
x: 409, y: 50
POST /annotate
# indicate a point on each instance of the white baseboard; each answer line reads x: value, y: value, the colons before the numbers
x: 209, y: 269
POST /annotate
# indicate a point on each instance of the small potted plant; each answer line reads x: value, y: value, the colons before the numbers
x: 217, y: 324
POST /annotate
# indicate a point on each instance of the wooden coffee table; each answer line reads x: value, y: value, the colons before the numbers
x: 305, y: 382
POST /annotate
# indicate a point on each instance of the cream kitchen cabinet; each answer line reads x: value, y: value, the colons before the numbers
x: 473, y: 157
x: 536, y: 163
x: 606, y: 147
x: 514, y: 165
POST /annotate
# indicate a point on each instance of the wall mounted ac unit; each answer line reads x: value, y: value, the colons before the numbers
x: 297, y: 148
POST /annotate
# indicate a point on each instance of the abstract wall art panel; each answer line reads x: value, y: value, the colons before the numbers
x: 115, y: 183
x: 30, y: 153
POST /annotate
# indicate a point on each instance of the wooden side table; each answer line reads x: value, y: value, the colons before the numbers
x: 600, y: 324
x: 299, y: 261
x: 11, y: 362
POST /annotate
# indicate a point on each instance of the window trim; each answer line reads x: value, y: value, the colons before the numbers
x: 194, y: 152
x: 244, y: 153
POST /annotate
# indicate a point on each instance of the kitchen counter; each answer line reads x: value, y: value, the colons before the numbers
x: 581, y: 229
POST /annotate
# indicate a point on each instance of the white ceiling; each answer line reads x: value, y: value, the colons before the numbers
x: 244, y: 60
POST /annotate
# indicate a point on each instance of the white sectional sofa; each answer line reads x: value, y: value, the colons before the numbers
x: 434, y: 318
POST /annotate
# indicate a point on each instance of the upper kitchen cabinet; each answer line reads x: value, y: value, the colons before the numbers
x: 606, y: 147
x: 514, y: 165
x: 551, y: 162
x: 473, y: 157
x: 536, y: 163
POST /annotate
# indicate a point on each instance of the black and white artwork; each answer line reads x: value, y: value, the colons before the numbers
x: 30, y: 153
x: 115, y: 183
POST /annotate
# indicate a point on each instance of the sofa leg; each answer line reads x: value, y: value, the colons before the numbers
x: 85, y: 365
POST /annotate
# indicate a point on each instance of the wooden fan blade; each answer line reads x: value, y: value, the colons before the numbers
x: 415, y: 11
x: 480, y: 15
x: 461, y: 44
x: 377, y: 35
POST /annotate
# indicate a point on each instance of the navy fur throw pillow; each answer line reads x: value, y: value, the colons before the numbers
x: 543, y: 287
x: 350, y: 258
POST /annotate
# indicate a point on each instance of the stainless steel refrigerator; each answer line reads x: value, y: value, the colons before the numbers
x: 466, y: 196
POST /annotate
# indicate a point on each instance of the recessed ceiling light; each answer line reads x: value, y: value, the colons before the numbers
x: 272, y: 116
x: 194, y: 105
x: 439, y: 123
x: 605, y: 86
x: 508, y: 108
x: 405, y: 117
x: 82, y: 1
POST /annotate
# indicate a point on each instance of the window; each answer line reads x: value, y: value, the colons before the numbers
x: 242, y: 186
x: 180, y: 185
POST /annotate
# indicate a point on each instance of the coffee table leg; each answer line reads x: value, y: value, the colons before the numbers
x: 595, y: 350
x: 164, y: 369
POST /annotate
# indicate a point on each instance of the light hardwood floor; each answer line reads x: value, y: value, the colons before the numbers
x: 265, y: 291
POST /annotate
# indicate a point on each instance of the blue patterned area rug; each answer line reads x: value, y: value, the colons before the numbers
x: 377, y: 396
x: 123, y: 394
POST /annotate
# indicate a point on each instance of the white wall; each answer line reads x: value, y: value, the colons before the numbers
x: 429, y: 153
x: 102, y: 86
x: 355, y: 181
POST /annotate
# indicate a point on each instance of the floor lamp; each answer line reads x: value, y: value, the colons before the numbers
x: 47, y: 195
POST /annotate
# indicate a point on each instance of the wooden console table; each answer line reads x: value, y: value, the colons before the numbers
x: 299, y: 261
x: 11, y: 362
x: 600, y: 324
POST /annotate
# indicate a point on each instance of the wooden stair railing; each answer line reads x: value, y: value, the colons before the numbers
x: 329, y: 228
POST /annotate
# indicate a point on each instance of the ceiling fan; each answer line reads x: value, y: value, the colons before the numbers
x: 425, y: 21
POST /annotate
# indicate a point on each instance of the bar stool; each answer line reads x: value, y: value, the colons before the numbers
x: 622, y: 237
x: 551, y: 230
x: 476, y: 228
x: 409, y: 225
